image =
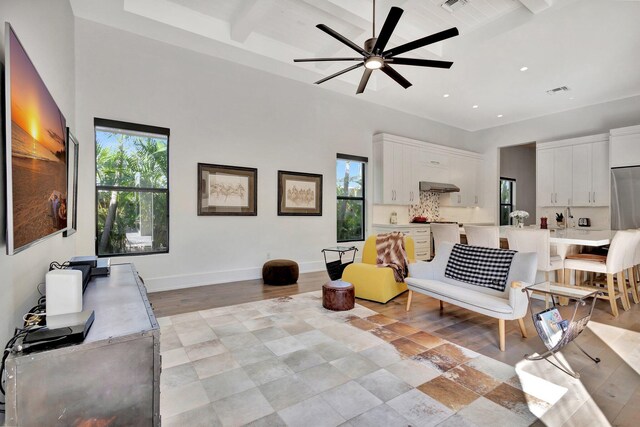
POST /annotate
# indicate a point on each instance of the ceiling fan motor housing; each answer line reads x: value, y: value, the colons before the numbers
x: 370, y: 43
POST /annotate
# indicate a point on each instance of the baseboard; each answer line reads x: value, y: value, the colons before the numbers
x: 182, y: 281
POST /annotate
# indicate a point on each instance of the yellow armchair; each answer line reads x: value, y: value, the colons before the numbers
x: 373, y: 283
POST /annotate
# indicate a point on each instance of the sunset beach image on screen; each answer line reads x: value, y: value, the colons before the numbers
x: 38, y: 154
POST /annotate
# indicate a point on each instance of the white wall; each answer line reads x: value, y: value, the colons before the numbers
x: 46, y: 29
x: 519, y: 163
x: 585, y: 121
x: 225, y: 113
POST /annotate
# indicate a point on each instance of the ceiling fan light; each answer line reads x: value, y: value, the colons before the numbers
x: 374, y: 62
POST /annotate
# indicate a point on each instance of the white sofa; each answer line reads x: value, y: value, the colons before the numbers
x: 428, y: 278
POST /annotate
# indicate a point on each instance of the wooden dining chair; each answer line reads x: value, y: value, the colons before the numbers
x: 487, y: 236
x: 613, y: 266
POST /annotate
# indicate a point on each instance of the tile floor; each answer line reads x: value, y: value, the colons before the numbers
x: 288, y: 361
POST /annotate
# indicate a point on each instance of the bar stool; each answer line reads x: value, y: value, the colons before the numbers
x: 631, y: 261
x: 636, y: 268
x: 534, y: 240
x: 445, y: 233
x: 485, y: 236
x: 613, y: 265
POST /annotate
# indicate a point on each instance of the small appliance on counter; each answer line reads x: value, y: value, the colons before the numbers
x: 419, y: 220
x: 393, y: 219
x: 584, y: 222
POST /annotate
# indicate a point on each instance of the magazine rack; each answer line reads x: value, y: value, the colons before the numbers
x: 335, y: 268
x: 577, y: 323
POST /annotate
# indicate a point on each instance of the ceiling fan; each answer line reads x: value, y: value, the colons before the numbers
x: 374, y: 57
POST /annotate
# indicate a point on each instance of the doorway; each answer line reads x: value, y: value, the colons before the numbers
x: 517, y: 182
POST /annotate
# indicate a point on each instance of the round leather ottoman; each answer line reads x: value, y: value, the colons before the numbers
x: 338, y: 295
x: 280, y: 272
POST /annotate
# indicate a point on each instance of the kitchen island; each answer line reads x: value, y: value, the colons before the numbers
x: 569, y: 239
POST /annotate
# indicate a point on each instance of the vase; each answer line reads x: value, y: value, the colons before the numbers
x: 518, y: 222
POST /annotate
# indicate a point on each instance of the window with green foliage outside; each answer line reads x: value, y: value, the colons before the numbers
x: 507, y: 199
x: 350, y: 198
x: 132, y: 188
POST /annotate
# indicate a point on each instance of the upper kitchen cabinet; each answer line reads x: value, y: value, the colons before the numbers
x: 464, y: 173
x: 625, y: 146
x: 400, y: 164
x: 554, y: 176
x: 393, y: 173
x: 591, y: 174
x: 431, y: 166
x: 574, y: 172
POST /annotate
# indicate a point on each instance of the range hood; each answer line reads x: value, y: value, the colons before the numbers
x: 438, y: 187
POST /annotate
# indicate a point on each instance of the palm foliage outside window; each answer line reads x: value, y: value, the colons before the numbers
x: 132, y: 188
x: 350, y: 172
x: 507, y: 199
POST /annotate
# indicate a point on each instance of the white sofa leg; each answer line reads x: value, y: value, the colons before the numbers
x: 409, y: 297
x: 501, y: 331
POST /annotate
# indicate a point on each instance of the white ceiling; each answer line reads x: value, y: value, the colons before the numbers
x: 591, y: 46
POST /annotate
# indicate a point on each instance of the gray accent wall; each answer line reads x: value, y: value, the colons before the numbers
x: 519, y: 163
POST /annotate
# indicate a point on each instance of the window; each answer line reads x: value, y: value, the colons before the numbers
x: 350, y: 194
x: 507, y: 199
x: 132, y: 188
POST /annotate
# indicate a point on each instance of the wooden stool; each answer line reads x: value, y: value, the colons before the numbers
x: 338, y: 295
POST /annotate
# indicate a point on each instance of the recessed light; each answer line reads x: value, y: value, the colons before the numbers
x: 475, y: 106
x: 446, y: 95
x: 524, y: 68
x: 499, y: 115
x: 572, y: 98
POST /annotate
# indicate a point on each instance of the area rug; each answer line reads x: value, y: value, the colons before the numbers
x: 288, y: 361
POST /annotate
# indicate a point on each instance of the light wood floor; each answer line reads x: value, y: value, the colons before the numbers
x: 618, y: 402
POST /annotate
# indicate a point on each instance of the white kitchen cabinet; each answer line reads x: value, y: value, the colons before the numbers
x: 625, y: 147
x: 464, y: 173
x: 591, y: 174
x: 600, y: 186
x: 421, y: 235
x: 582, y: 176
x: 430, y: 166
x: 554, y: 176
x: 562, y: 176
x: 393, y: 174
x: 399, y: 164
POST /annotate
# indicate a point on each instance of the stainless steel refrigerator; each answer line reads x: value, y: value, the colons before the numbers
x: 625, y: 198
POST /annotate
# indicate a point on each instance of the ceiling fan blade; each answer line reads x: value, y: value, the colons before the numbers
x: 327, y: 59
x: 346, y: 70
x: 342, y: 39
x: 420, y: 62
x: 364, y: 80
x: 395, y: 76
x: 387, y: 29
x: 433, y: 38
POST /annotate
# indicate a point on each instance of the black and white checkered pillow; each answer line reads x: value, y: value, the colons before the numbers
x: 487, y: 267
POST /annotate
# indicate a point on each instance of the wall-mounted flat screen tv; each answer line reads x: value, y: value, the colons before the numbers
x: 36, y: 157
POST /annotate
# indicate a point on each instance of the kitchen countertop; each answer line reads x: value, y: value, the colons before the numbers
x: 413, y: 224
x: 571, y: 236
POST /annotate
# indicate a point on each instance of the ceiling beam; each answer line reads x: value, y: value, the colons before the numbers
x: 536, y: 6
x: 246, y: 18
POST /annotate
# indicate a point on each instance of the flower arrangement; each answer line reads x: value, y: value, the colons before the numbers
x: 519, y: 217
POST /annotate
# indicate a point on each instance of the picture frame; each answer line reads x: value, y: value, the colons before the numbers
x: 299, y: 194
x: 227, y: 190
x: 72, y: 180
